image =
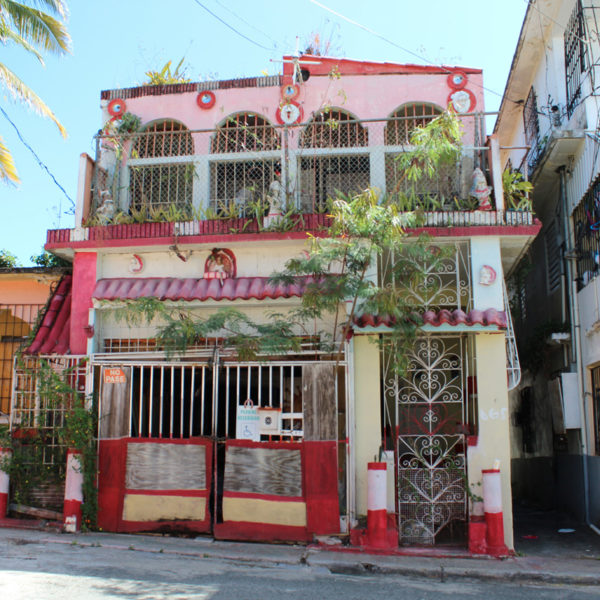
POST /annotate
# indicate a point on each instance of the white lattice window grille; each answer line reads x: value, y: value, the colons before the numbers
x: 444, y: 279
x: 334, y: 128
x: 159, y: 175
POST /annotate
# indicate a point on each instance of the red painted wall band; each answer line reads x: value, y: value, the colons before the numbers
x: 377, y: 466
x: 186, y: 493
x: 270, y: 497
x: 260, y: 532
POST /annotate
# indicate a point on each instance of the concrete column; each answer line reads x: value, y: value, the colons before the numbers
x: 493, y: 442
x: 367, y: 413
x: 486, y: 284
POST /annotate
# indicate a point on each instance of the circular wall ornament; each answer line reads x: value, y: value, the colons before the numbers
x: 457, y: 80
x: 487, y: 275
x: 117, y: 108
x: 290, y: 91
x: 206, y: 99
x: 289, y: 113
x: 462, y: 101
x: 136, y: 264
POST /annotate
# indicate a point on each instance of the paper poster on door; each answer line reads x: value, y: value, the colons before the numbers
x: 247, y: 422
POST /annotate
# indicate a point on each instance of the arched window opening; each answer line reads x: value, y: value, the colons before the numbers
x: 245, y: 132
x: 334, y: 128
x: 164, y: 185
x: 405, y: 119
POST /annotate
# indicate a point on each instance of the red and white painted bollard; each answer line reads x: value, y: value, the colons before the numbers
x: 492, y: 506
x: 4, y: 482
x: 377, y: 505
x: 73, y: 492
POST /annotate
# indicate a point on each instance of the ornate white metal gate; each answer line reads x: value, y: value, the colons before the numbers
x: 430, y: 414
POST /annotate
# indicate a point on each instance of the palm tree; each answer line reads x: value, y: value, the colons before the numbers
x: 36, y: 26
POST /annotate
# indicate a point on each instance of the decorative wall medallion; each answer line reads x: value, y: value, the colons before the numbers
x: 116, y: 108
x: 457, y: 80
x: 136, y: 264
x: 289, y: 113
x: 290, y: 91
x: 462, y: 101
x: 206, y: 100
x: 220, y: 264
x: 487, y: 275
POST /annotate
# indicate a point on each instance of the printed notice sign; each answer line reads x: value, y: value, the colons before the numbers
x: 247, y: 422
x: 114, y: 375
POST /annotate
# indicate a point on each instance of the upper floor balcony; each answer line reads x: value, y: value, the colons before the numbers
x: 168, y: 180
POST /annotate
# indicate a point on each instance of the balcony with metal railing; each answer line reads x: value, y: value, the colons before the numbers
x: 168, y: 180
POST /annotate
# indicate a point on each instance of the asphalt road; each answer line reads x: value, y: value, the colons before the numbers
x: 43, y: 570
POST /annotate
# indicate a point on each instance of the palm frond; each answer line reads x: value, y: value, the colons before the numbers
x: 21, y: 91
x: 8, y: 171
x: 8, y: 35
x: 36, y: 26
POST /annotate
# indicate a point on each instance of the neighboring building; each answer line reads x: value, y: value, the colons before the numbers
x: 24, y: 291
x: 548, y: 129
x: 169, y: 212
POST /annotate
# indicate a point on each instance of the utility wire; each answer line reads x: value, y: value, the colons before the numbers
x: 37, y: 158
x: 234, y: 29
x: 423, y: 58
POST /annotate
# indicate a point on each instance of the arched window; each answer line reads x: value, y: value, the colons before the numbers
x: 334, y: 128
x: 163, y: 138
x: 406, y: 118
x: 245, y: 132
x: 165, y: 184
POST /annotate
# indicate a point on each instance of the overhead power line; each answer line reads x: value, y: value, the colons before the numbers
x: 233, y: 28
x: 37, y: 158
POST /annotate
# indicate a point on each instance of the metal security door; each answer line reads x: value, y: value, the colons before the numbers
x: 429, y: 402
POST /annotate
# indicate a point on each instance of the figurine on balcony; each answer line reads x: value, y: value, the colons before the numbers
x: 480, y: 190
x: 106, y: 210
x: 275, y: 199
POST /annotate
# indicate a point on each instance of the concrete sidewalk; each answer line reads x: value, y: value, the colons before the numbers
x: 520, y: 569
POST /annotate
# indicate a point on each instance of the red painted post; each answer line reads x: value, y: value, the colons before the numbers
x: 4, y: 482
x: 492, y: 506
x: 73, y: 492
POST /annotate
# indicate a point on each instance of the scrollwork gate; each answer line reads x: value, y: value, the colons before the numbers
x: 429, y: 405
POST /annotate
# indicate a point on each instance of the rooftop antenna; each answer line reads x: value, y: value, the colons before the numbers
x: 297, y: 62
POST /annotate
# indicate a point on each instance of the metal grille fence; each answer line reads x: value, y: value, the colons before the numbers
x: 586, y: 225
x: 35, y: 405
x: 575, y: 56
x: 169, y: 173
x: 16, y: 322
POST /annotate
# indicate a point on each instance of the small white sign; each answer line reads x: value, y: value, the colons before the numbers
x: 247, y: 422
x: 269, y: 420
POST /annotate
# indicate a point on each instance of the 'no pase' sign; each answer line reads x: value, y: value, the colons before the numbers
x: 114, y: 375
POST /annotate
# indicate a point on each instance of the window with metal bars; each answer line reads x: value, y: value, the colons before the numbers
x: 531, y: 124
x: 160, y: 186
x: 586, y: 225
x: 575, y: 56
x: 595, y: 373
x: 407, y: 118
x: 324, y: 176
x: 334, y: 128
x: 16, y: 321
x: 245, y: 132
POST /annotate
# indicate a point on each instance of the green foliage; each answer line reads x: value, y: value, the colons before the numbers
x: 45, y: 259
x: 516, y: 190
x: 8, y: 260
x: 49, y: 436
x: 165, y: 76
x: 128, y: 124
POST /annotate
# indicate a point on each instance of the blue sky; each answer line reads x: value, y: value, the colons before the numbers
x: 116, y: 41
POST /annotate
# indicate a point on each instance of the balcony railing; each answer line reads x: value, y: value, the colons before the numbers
x: 169, y: 173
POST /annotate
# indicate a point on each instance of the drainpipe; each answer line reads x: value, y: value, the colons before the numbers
x: 576, y: 354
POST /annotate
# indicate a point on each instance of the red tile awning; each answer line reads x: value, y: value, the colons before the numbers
x: 170, y: 288
x: 53, y: 334
x: 488, y: 317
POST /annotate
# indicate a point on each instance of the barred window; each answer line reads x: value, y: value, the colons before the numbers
x: 160, y: 186
x: 531, y: 121
x: 334, y: 128
x: 575, y: 56
x: 245, y: 132
x: 407, y: 118
x: 586, y: 224
x: 596, y: 399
